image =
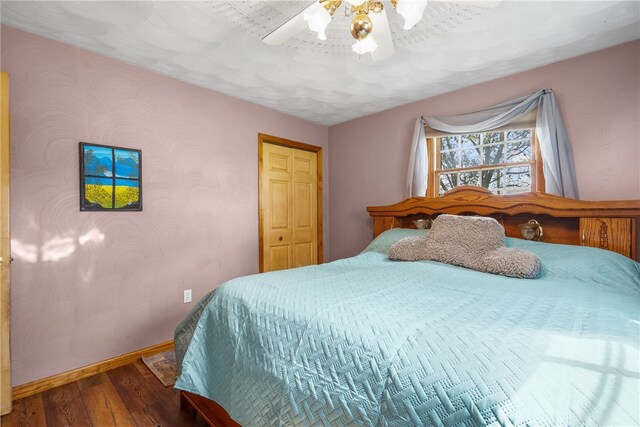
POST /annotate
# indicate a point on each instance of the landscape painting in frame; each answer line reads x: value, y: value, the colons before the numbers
x: 110, y: 178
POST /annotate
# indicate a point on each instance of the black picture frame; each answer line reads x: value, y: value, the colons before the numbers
x: 110, y: 184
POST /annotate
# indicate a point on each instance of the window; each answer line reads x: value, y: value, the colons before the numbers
x: 503, y: 161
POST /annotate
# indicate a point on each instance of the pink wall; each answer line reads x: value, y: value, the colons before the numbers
x: 599, y: 96
x: 87, y: 286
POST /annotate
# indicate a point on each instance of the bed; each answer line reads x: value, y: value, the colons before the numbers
x: 368, y: 341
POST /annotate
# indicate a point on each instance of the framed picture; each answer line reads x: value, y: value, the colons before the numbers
x: 110, y: 178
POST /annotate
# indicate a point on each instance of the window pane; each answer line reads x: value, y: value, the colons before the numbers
x: 512, y: 135
x: 470, y: 158
x: 127, y: 193
x: 98, y: 191
x: 513, y: 190
x: 98, y: 160
x: 493, y: 137
x: 449, y: 160
x: 493, y: 179
x: 447, y: 181
x: 519, y: 151
x: 449, y: 143
x: 469, y: 178
x: 493, y: 154
x: 518, y: 179
x: 469, y: 141
x: 127, y: 163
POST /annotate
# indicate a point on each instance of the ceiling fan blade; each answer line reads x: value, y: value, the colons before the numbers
x: 381, y: 33
x: 292, y: 27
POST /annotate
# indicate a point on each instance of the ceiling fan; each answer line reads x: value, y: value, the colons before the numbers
x: 369, y: 23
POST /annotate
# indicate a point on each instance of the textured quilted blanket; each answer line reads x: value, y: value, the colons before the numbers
x: 370, y: 342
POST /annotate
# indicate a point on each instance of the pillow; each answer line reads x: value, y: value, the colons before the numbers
x: 382, y: 243
x: 583, y: 263
x: 471, y: 242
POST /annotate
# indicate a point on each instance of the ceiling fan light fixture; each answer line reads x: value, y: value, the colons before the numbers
x: 376, y: 7
x: 366, y: 45
x: 363, y: 15
x: 331, y: 5
x: 361, y: 26
x: 318, y: 22
x: 411, y: 11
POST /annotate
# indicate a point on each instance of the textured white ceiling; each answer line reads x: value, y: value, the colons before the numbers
x: 217, y: 45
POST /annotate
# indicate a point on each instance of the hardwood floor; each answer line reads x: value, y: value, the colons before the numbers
x: 126, y: 396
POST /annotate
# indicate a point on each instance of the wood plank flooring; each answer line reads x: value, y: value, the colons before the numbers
x: 126, y: 396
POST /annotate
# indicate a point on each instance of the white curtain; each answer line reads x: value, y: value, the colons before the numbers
x: 557, y: 160
x: 417, y: 176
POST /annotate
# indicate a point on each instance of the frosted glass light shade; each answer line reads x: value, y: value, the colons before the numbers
x: 318, y: 22
x: 411, y: 11
x: 366, y: 45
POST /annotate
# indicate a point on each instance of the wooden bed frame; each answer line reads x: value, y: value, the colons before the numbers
x: 609, y: 224
x: 212, y: 413
x: 568, y: 221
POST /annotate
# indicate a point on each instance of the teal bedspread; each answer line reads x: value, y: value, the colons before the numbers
x: 370, y: 342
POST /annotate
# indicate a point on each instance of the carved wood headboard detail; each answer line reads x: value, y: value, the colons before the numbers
x: 568, y: 221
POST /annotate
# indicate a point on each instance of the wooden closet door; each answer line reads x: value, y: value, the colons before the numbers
x: 289, y: 207
x: 304, y: 209
x: 276, y: 207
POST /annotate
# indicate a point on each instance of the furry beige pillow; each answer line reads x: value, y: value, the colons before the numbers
x: 471, y: 242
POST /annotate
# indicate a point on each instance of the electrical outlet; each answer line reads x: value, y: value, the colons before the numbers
x: 187, y: 296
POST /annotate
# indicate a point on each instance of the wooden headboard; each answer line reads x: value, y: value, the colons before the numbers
x: 609, y: 224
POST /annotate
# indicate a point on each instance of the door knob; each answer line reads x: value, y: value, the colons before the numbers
x: 280, y: 238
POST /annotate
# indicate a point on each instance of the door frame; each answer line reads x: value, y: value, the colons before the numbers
x: 5, y: 251
x: 270, y: 139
